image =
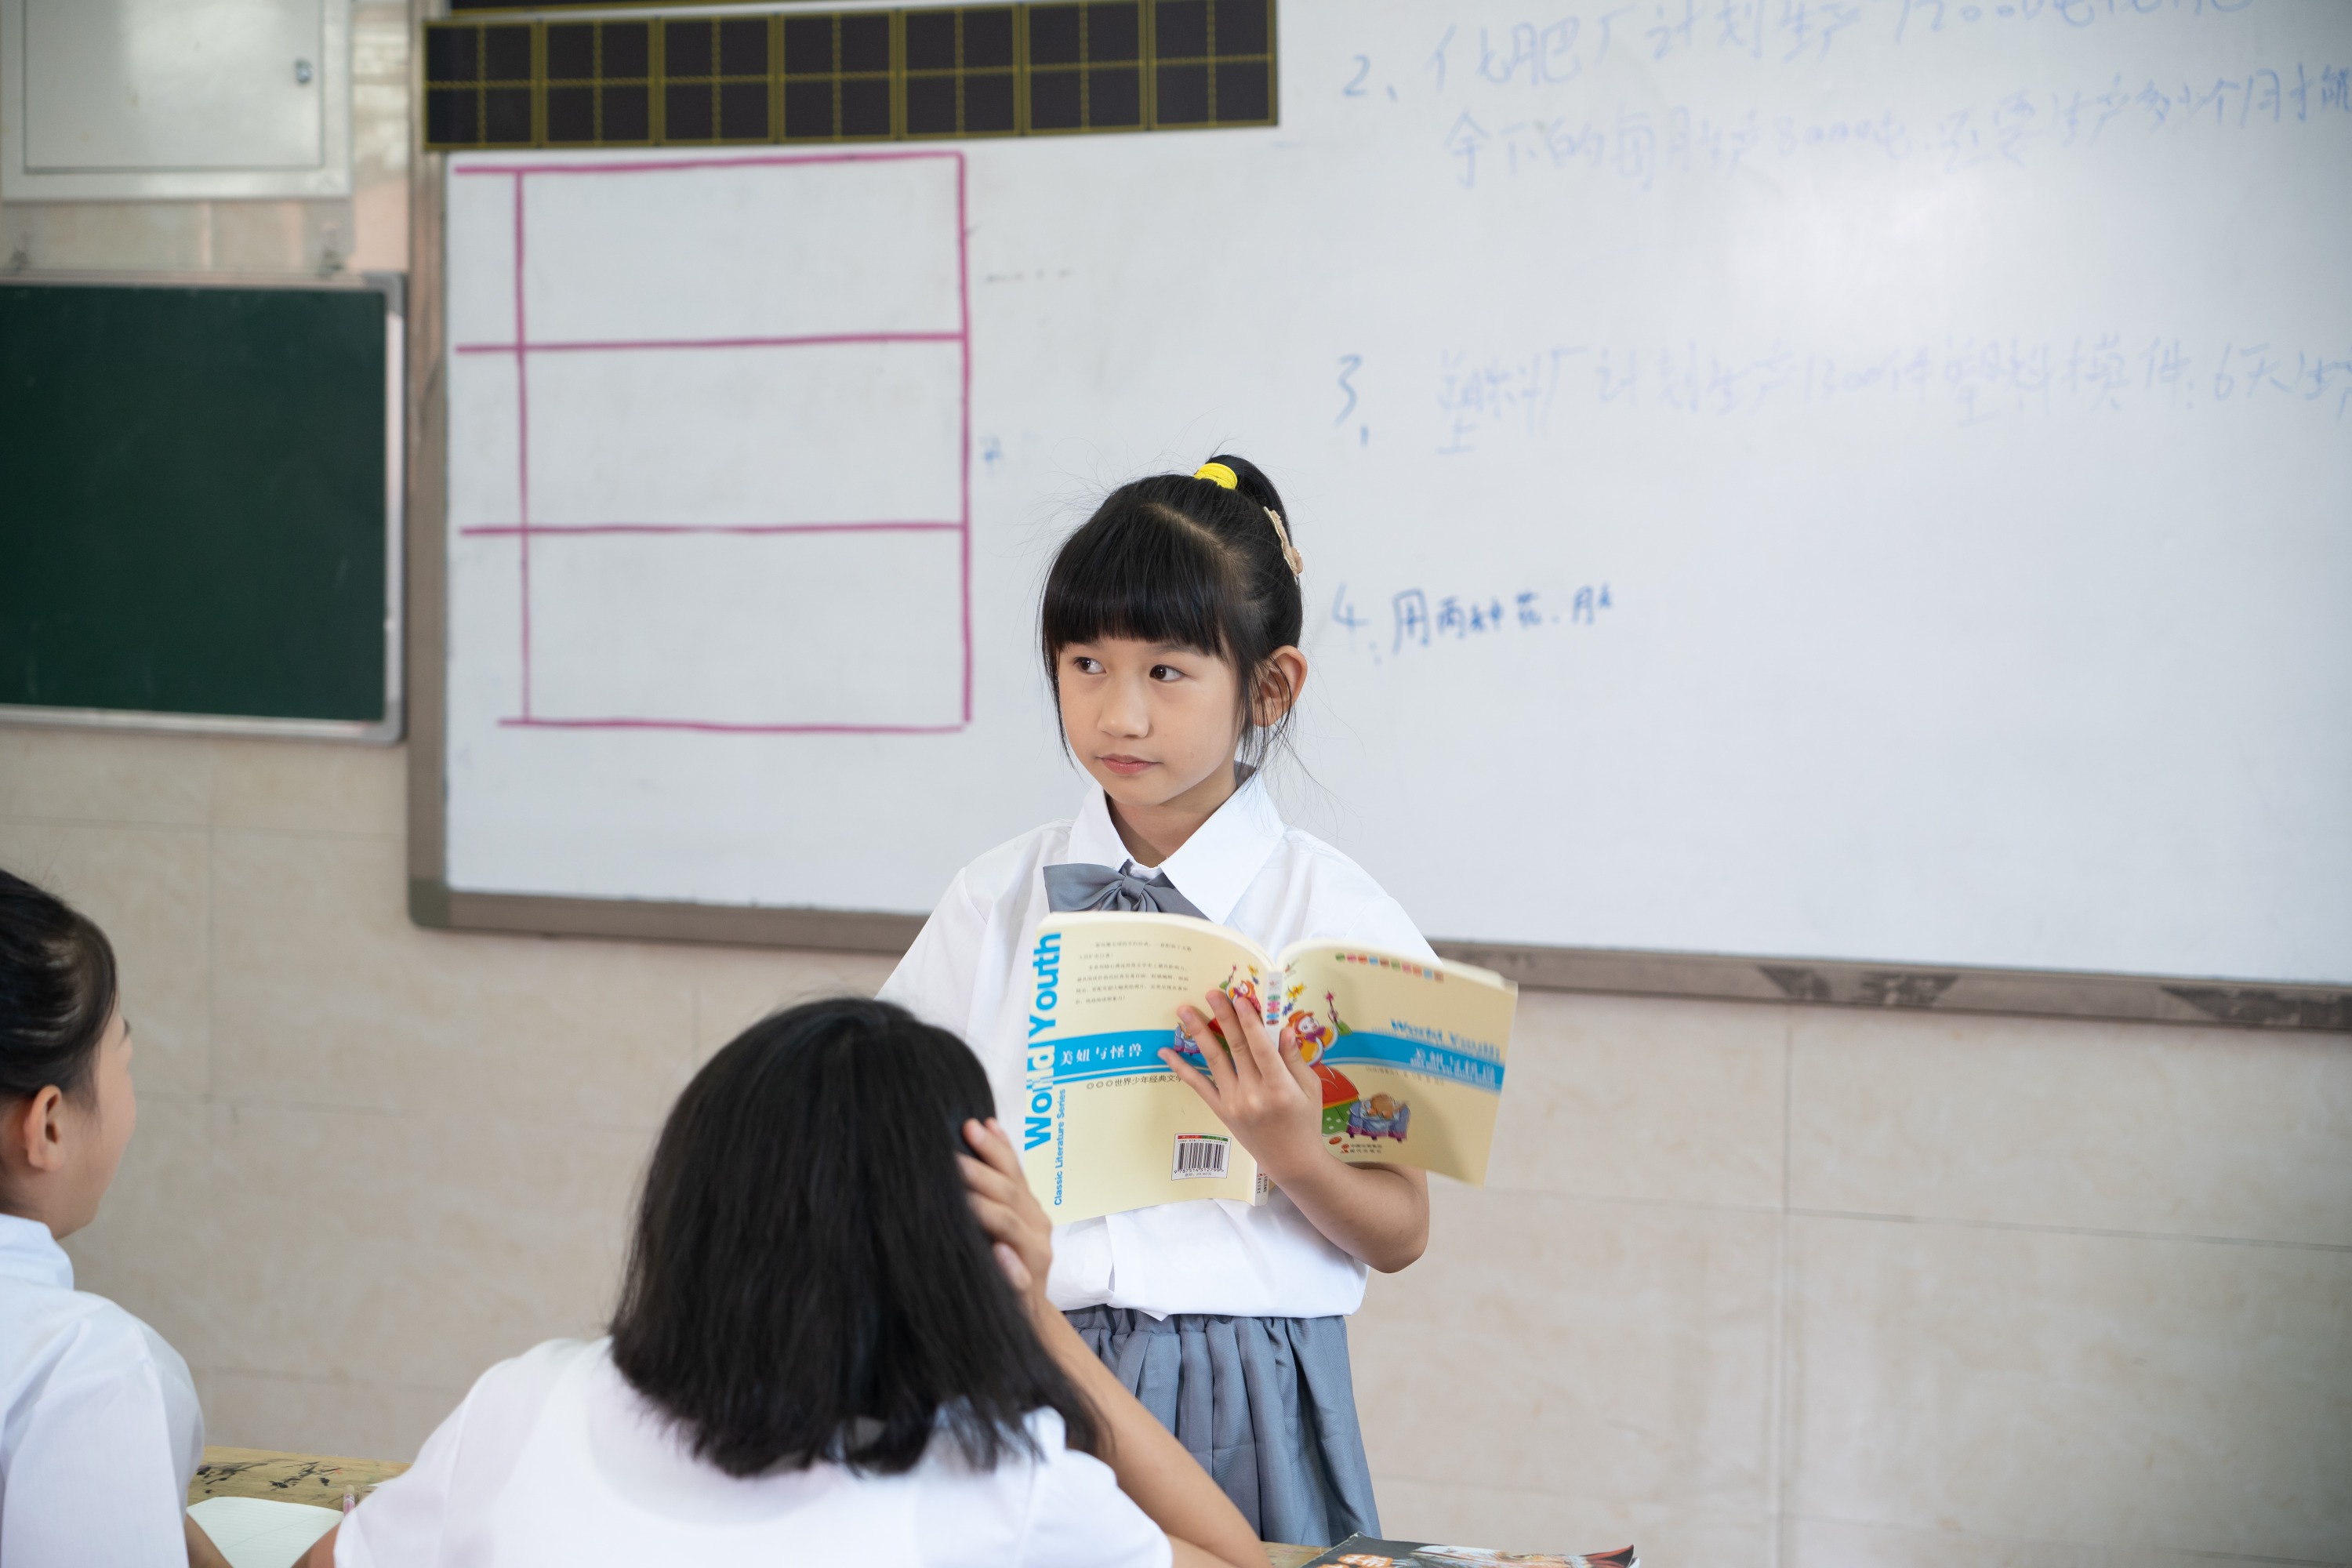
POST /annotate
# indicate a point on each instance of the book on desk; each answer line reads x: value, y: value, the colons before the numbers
x: 1365, y: 1552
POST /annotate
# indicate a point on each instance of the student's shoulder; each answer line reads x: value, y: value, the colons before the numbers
x: 91, y: 1328
x: 1050, y: 1506
x: 1340, y: 898
x: 1003, y: 875
x: 521, y: 1385
x: 1078, y: 1514
x: 549, y: 1360
x: 75, y: 1339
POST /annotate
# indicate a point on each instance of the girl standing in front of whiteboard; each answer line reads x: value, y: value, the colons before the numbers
x: 1170, y: 631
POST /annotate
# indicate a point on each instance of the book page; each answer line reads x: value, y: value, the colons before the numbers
x: 255, y: 1532
x: 1409, y: 1054
x: 1105, y: 1126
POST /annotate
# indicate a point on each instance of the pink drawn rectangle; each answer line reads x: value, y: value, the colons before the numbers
x: 522, y: 347
x: 781, y: 626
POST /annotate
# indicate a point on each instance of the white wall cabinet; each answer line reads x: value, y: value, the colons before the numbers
x: 174, y: 98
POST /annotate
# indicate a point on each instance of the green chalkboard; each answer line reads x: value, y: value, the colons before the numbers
x: 193, y: 509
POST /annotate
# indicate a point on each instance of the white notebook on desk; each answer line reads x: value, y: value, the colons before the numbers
x: 254, y: 1532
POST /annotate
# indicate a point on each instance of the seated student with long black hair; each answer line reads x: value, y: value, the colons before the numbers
x: 100, y: 1429
x: 832, y: 1346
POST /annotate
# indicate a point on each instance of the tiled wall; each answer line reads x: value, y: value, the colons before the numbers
x: 1862, y: 1289
x: 370, y: 1160
x: 1749, y: 1285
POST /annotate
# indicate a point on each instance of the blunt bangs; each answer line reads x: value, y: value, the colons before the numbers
x: 1144, y: 570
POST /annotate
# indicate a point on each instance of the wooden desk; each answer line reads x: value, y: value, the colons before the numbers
x: 320, y: 1480
x: 285, y: 1477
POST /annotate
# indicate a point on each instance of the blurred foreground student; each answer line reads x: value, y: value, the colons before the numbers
x: 100, y: 1429
x: 833, y: 1347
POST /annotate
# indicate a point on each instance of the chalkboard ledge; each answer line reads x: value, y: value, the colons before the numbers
x: 436, y: 905
x: 383, y: 731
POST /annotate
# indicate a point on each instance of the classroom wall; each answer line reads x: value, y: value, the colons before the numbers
x: 1750, y: 1284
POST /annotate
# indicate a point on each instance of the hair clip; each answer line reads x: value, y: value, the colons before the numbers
x: 1290, y: 557
x: 1224, y: 478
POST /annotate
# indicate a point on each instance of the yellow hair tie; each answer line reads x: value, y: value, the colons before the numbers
x: 1219, y: 475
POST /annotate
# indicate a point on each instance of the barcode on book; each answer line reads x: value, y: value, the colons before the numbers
x: 1200, y: 1154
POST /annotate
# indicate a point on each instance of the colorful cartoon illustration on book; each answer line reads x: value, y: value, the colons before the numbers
x: 1315, y: 1037
x: 1338, y: 1098
x: 1382, y: 1116
x: 1346, y: 1112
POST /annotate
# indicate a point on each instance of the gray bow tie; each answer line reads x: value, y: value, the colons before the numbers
x: 1078, y: 886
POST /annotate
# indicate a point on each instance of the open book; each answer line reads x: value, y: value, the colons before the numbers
x: 1363, y: 1552
x: 1408, y: 1053
x: 257, y: 1532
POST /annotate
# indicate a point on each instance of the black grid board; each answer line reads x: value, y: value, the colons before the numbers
x: 715, y: 83
x: 1038, y: 68
x: 1212, y: 62
x: 598, y: 84
x: 958, y: 67
x: 481, y: 84
x: 1086, y: 67
x: 838, y: 84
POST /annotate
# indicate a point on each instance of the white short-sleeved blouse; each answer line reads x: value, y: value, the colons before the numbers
x: 554, y: 1461
x: 99, y: 1427
x: 1245, y: 867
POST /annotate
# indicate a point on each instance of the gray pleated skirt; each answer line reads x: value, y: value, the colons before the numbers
x: 1267, y: 1406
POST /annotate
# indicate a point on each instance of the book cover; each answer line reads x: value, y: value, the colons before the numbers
x: 1409, y: 1054
x: 1363, y: 1552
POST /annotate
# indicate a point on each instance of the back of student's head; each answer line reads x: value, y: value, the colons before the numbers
x: 1187, y: 559
x: 56, y: 993
x: 808, y: 1281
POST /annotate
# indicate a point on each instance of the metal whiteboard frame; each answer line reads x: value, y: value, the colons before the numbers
x: 385, y: 731
x: 433, y: 903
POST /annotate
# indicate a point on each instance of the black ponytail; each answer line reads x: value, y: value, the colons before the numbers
x: 56, y: 992
x: 1179, y: 559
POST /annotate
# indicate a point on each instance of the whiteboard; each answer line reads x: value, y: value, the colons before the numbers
x: 1860, y: 482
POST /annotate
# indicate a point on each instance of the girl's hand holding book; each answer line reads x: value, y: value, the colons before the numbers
x: 1259, y: 1087
x: 1268, y: 1098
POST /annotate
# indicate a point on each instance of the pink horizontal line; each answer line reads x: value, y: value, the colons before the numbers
x: 653, y: 168
x: 729, y: 728
x: 815, y: 339
x: 543, y: 529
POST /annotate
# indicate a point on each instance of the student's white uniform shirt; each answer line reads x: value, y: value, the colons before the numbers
x: 554, y: 1460
x: 100, y: 1429
x: 969, y: 972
